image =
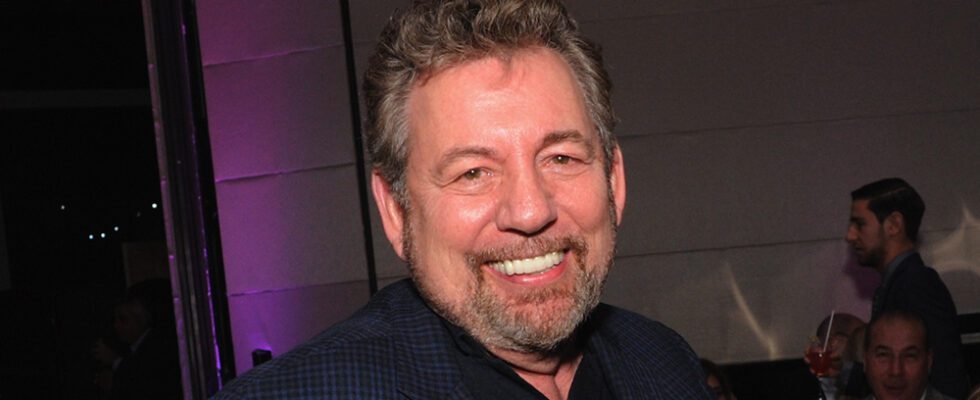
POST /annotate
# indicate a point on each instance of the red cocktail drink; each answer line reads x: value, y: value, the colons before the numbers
x: 819, y: 360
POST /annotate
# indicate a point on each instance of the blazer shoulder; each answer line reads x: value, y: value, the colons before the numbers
x: 623, y: 324
x: 647, y: 357
x: 919, y: 277
x: 333, y: 364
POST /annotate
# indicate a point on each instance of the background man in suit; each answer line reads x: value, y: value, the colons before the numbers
x: 883, y: 233
x: 500, y: 183
x: 144, y: 321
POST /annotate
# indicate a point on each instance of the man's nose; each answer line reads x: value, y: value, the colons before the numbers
x: 527, y: 205
x: 851, y: 235
x: 895, y: 367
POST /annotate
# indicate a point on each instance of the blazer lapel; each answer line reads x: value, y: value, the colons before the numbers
x: 909, y: 262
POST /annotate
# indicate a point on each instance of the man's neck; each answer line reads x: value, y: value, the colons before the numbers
x: 550, y: 374
x: 892, y: 252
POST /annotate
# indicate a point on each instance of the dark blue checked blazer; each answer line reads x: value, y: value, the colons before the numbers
x: 396, y: 347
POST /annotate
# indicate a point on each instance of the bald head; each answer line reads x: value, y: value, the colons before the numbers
x: 844, y: 324
x: 841, y: 331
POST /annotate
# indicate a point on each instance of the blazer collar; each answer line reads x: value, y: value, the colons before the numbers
x: 627, y: 376
x: 427, y: 370
x: 425, y: 367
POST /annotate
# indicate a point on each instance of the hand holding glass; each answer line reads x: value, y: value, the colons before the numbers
x: 818, y: 356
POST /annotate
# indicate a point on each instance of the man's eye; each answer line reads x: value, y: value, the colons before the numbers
x: 562, y: 159
x: 473, y: 174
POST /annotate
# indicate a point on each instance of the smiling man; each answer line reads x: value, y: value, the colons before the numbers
x: 500, y: 183
x: 898, y: 358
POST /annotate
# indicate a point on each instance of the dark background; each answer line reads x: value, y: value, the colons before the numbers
x: 76, y: 130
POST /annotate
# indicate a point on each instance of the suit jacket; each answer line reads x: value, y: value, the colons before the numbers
x: 396, y: 347
x: 915, y: 287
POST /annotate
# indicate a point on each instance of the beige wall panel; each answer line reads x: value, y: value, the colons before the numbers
x: 368, y: 17
x: 279, y: 114
x: 752, y: 186
x: 774, y: 65
x: 291, y: 230
x: 744, y: 304
x: 280, y: 320
x: 233, y: 30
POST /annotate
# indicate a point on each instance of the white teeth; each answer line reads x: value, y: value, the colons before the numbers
x: 529, y: 265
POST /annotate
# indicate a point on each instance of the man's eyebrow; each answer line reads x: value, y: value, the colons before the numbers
x: 914, y: 348
x: 571, y: 135
x: 882, y: 347
x: 457, y: 153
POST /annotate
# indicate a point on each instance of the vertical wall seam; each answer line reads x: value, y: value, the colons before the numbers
x: 355, y: 111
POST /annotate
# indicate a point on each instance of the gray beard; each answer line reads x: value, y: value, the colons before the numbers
x: 495, y: 322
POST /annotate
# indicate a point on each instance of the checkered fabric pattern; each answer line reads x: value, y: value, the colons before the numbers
x: 397, y: 348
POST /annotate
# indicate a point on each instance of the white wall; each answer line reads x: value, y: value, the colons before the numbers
x: 744, y: 128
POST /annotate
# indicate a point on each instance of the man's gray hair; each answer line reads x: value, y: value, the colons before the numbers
x: 434, y: 35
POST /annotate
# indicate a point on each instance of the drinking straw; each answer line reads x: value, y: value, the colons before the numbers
x: 826, y: 337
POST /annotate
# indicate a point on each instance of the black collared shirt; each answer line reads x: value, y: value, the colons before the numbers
x: 488, y: 377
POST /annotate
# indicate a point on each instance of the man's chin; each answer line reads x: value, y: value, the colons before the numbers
x: 534, y: 323
x: 897, y: 392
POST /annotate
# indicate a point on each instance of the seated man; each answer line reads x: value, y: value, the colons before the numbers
x: 898, y: 357
x: 843, y: 328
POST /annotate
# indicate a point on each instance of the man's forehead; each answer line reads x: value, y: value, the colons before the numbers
x: 439, y: 96
x: 903, y: 348
x: 860, y: 210
x: 898, y: 332
x: 860, y: 205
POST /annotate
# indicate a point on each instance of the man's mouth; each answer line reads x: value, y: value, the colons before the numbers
x: 526, y: 266
x: 895, y: 388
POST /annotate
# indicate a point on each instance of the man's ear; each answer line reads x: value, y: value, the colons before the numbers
x: 895, y: 224
x: 617, y: 183
x: 392, y: 214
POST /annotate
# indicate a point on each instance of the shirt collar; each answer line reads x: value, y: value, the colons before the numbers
x: 893, y: 265
x: 138, y: 342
